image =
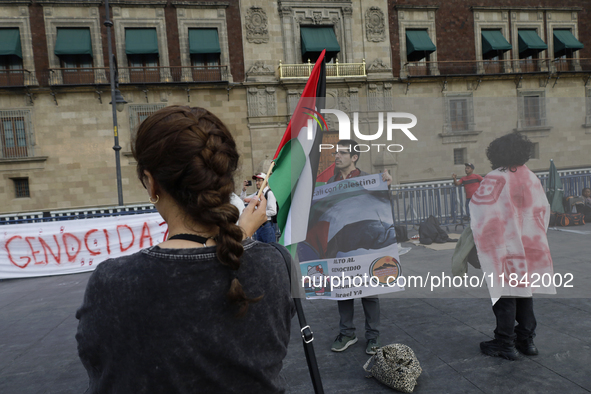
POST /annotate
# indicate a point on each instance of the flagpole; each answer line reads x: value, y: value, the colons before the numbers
x: 265, y: 181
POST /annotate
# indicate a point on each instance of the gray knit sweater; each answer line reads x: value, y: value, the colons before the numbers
x: 158, y: 321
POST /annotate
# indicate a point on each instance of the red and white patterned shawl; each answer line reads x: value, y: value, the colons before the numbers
x: 509, y: 218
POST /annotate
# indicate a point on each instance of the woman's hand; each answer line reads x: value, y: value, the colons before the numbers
x: 253, y: 216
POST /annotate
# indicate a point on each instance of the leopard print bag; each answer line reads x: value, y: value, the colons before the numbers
x: 396, y: 366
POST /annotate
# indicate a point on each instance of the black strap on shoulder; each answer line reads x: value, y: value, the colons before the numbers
x: 306, y: 332
x: 190, y: 237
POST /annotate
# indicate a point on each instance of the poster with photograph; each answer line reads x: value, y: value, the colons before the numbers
x: 350, y: 249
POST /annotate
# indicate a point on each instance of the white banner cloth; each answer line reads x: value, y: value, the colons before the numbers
x: 73, y: 246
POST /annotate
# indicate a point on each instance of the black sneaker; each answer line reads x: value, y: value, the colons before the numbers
x: 496, y: 348
x: 527, y: 347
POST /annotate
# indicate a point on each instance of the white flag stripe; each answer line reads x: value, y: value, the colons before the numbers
x: 296, y: 227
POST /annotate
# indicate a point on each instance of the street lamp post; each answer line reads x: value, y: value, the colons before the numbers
x: 117, y: 102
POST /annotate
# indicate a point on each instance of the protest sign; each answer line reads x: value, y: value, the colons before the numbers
x: 350, y: 249
x: 73, y: 246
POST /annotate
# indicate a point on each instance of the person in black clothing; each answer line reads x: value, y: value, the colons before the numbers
x: 508, y: 155
x: 206, y: 311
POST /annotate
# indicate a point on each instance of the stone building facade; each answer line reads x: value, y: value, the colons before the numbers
x: 432, y: 59
x: 57, y: 133
x: 476, y: 97
x: 463, y: 94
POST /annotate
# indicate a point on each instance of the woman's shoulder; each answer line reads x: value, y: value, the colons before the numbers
x: 262, y: 248
x: 117, y: 267
x: 265, y: 254
x: 255, y: 247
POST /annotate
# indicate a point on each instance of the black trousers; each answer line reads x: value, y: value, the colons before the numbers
x: 509, y: 309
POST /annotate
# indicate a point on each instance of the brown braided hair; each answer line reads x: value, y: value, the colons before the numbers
x: 192, y: 156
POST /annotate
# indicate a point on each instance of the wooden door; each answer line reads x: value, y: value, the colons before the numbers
x: 326, y: 158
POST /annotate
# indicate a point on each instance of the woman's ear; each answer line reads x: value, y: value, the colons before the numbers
x: 150, y: 184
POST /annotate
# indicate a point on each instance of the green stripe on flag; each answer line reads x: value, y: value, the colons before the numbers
x: 283, y: 181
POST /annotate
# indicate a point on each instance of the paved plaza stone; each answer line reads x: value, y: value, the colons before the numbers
x: 38, y: 349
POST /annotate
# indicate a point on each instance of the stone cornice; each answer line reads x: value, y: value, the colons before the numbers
x: 416, y: 7
x: 15, y: 2
x: 200, y: 4
x: 315, y: 4
x: 71, y: 3
x: 24, y: 159
x: 144, y: 3
x: 492, y: 8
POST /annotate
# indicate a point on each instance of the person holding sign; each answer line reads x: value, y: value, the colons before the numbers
x: 208, y: 310
x: 346, y: 158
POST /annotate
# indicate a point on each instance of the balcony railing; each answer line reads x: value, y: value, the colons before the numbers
x: 487, y: 67
x: 477, y: 67
x: 151, y: 74
x: 131, y: 75
x: 77, y: 76
x: 572, y: 64
x: 333, y: 70
x: 16, y: 77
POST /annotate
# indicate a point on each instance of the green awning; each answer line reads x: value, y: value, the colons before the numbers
x: 204, y: 41
x: 563, y: 40
x: 530, y: 43
x: 315, y: 39
x: 494, y: 41
x: 418, y: 45
x: 73, y: 42
x: 10, y: 42
x: 141, y: 41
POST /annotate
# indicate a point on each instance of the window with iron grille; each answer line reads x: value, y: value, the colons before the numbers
x: 15, y: 134
x: 21, y: 187
x: 531, y: 111
x: 459, y: 113
x: 139, y: 112
x: 460, y: 156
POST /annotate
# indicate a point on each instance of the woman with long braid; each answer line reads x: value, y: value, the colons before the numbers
x: 208, y: 310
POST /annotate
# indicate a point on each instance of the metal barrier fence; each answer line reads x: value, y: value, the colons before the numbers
x: 412, y: 204
x: 73, y: 214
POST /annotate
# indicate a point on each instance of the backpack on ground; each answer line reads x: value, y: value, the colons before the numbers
x: 401, y: 233
x: 430, y: 232
x: 570, y: 219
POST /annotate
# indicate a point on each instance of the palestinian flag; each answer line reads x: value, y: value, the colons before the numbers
x: 325, y: 175
x: 296, y: 159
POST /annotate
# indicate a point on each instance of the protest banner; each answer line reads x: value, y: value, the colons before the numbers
x: 73, y: 246
x: 350, y: 249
